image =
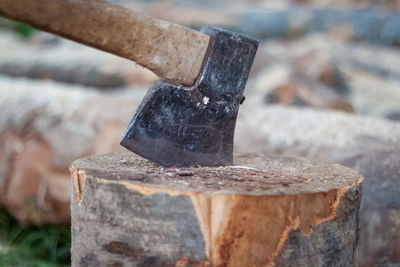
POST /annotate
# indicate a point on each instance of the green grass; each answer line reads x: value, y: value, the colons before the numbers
x: 31, y: 246
x: 23, y: 30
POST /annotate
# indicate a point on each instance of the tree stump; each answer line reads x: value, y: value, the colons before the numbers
x: 275, y: 211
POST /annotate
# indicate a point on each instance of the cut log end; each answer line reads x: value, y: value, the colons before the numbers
x: 262, y: 211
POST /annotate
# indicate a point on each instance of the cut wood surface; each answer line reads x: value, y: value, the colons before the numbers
x: 282, y: 211
x: 171, y: 51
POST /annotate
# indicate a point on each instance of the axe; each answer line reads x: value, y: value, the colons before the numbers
x: 189, y: 116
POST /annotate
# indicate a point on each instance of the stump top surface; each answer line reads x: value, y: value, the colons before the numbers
x: 251, y: 175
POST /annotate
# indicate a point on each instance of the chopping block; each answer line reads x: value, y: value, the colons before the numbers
x: 264, y: 211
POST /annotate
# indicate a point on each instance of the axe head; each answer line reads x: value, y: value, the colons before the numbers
x: 183, y: 126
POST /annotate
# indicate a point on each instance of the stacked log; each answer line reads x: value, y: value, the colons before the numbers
x: 50, y: 57
x: 44, y: 126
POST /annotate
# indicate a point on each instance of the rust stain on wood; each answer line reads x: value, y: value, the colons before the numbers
x: 187, y: 262
x: 256, y: 227
x: 79, y: 178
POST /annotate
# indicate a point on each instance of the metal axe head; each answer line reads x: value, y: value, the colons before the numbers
x: 181, y: 126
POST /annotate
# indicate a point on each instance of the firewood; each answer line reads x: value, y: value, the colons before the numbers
x: 264, y: 211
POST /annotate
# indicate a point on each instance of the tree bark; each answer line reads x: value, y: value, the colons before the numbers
x: 277, y: 211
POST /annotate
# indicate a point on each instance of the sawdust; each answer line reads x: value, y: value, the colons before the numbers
x: 250, y: 175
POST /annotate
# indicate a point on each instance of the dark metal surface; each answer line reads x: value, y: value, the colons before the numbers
x: 184, y: 126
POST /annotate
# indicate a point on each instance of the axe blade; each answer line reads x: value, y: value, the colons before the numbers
x: 183, y: 126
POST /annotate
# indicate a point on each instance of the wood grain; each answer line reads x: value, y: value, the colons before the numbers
x: 171, y: 51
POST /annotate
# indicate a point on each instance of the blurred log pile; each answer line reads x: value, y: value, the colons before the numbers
x: 326, y: 88
x: 43, y: 127
x: 321, y: 71
x: 49, y: 57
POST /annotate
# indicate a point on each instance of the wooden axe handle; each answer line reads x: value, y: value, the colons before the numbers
x: 171, y: 51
